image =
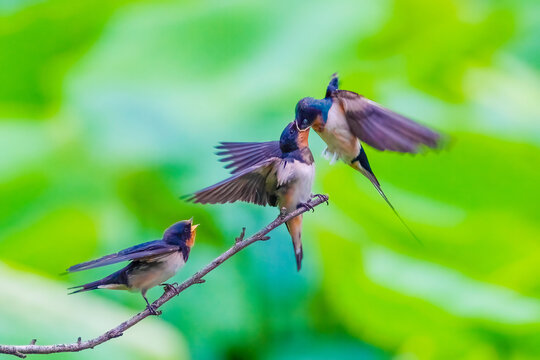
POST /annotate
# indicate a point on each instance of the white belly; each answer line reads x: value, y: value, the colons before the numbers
x: 157, y: 271
x: 296, y: 179
x: 340, y: 141
x: 304, y: 181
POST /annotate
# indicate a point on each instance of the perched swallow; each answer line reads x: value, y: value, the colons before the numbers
x: 152, y: 263
x: 344, y: 118
x: 276, y: 173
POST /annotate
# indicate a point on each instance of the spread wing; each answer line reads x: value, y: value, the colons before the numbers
x: 249, y: 185
x: 148, y: 249
x: 243, y: 155
x: 381, y: 128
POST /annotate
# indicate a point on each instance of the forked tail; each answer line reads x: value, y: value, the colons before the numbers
x: 86, y: 287
x: 361, y: 164
x: 378, y: 187
x: 295, y: 230
x: 117, y: 280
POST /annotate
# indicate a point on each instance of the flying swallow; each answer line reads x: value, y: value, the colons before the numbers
x: 276, y: 173
x: 344, y: 119
x: 151, y: 263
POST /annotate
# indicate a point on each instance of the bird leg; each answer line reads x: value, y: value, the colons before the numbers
x: 330, y: 156
x: 335, y: 158
x: 326, y: 154
x: 306, y: 205
x: 150, y: 308
x: 167, y: 287
x: 321, y: 197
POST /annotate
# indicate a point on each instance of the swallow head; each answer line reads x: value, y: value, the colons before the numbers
x: 293, y: 138
x: 311, y: 112
x: 181, y: 232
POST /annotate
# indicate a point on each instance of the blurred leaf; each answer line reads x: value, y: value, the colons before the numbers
x: 51, y: 241
x: 459, y: 39
x: 39, y: 43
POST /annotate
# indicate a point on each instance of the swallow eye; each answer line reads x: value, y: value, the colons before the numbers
x: 304, y: 122
x: 291, y: 131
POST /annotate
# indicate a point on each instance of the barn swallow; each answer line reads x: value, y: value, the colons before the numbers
x: 276, y: 173
x: 343, y: 119
x: 152, y: 263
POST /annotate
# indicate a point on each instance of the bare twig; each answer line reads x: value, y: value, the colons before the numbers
x: 242, y: 234
x: 240, y: 243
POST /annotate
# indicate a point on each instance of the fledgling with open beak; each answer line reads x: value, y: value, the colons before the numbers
x: 276, y: 173
x: 343, y: 119
x: 152, y: 263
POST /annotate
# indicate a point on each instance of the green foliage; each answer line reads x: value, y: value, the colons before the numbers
x: 131, y: 97
x: 39, y: 43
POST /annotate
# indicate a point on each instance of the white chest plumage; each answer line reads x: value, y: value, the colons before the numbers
x: 157, y: 271
x: 296, y: 180
x: 340, y: 141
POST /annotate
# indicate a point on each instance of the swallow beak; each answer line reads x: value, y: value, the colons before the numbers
x: 298, y: 127
x: 191, y: 220
x: 191, y: 239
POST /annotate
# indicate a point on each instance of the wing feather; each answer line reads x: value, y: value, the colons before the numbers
x: 248, y: 185
x: 242, y: 155
x: 137, y: 252
x: 384, y: 129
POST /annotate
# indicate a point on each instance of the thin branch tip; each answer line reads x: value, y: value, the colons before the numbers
x: 170, y: 290
x: 242, y: 235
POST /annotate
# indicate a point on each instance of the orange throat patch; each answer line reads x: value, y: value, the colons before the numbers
x: 318, y: 124
x: 191, y: 239
x: 303, y: 137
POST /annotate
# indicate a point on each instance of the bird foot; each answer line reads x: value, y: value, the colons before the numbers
x: 153, y: 310
x: 321, y: 197
x: 327, y: 154
x: 330, y: 156
x: 307, y: 206
x: 335, y: 158
x: 167, y: 287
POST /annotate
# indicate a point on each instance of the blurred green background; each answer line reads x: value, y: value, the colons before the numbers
x: 109, y: 111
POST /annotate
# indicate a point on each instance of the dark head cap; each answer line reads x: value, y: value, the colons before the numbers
x: 292, y: 138
x: 288, y: 139
x: 181, y: 232
x: 309, y: 109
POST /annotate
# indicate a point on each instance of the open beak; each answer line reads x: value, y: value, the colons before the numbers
x: 191, y: 239
x: 298, y: 127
